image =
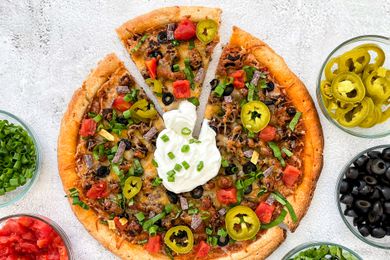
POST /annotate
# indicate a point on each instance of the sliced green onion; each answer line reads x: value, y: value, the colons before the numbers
x: 74, y: 195
x: 294, y: 121
x: 200, y: 165
x: 193, y: 211
x: 276, y: 221
x: 139, y: 44
x: 222, y: 232
x: 287, y: 152
x: 150, y: 222
x: 194, y: 100
x: 185, y: 131
x: 171, y: 176
x: 175, y: 43
x: 251, y: 91
x: 165, y: 138
x: 156, y: 181
x: 282, y: 200
x: 191, y: 44
x: 185, y: 148
x: 220, y: 89
x: 185, y: 165
x: 209, y: 231
x: 127, y: 97
x: 98, y: 118
x: 154, y: 162
x: 171, y: 155
x: 188, y: 72
x: 127, y: 114
x: 178, y: 167
x: 224, y: 163
x: 277, y: 153
x: 194, y: 141
x: 176, y: 67
x: 153, y: 230
x: 140, y: 216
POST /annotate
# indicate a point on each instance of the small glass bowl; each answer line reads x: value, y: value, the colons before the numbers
x: 51, y: 223
x: 377, y: 242
x: 295, y: 251
x: 379, y: 130
x: 11, y: 197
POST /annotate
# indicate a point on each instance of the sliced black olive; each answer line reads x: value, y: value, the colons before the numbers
x: 387, y: 229
x: 223, y: 241
x: 352, y: 173
x: 248, y: 190
x: 385, y: 192
x: 127, y: 143
x: 344, y: 187
x: 365, y: 190
x: 291, y: 111
x: 162, y: 37
x: 378, y: 166
x: 167, y: 98
x: 233, y: 58
x: 228, y: 90
x: 103, y: 171
x: 375, y: 195
x: 376, y: 213
x: 231, y: 169
x: 355, y: 190
x: 155, y: 54
x: 368, y: 167
x: 357, y: 221
x: 361, y: 161
x: 363, y: 205
x: 270, y: 86
x: 378, y: 232
x: 387, y: 173
x: 347, y: 199
x: 384, y: 180
x: 122, y: 120
x: 214, y: 83
x: 386, y: 154
x: 197, y: 192
x: 249, y: 167
x: 386, y: 207
x: 370, y: 180
x: 364, y: 230
x: 173, y: 198
x: 350, y: 213
x: 374, y: 154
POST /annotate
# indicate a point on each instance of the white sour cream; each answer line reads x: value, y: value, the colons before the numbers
x: 202, y: 151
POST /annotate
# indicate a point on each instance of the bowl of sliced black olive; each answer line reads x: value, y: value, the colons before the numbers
x: 363, y: 196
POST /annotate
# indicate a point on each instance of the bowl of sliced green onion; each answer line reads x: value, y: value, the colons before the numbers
x: 19, y: 158
x: 321, y: 250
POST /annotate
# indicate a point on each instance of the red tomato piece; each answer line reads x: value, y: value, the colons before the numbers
x: 238, y: 79
x: 227, y: 196
x: 27, y: 247
x: 25, y: 221
x: 88, y: 127
x: 181, y: 89
x: 28, y: 236
x: 121, y: 104
x: 154, y: 244
x: 42, y: 230
x: 202, y: 249
x: 98, y: 190
x: 118, y: 224
x: 290, y: 175
x: 268, y: 133
x: 186, y: 30
x: 151, y: 65
x: 264, y: 212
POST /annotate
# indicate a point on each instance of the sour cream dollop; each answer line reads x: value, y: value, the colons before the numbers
x: 180, y: 168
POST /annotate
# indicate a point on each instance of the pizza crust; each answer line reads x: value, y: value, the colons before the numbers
x: 300, y: 97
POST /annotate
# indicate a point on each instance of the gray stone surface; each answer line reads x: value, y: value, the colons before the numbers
x: 49, y: 46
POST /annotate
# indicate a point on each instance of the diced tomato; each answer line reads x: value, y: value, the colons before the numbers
x: 118, y: 224
x: 151, y: 65
x: 154, y: 244
x: 27, y: 247
x: 12, y: 227
x: 42, y: 230
x: 290, y: 175
x: 25, y: 221
x: 181, y: 89
x: 28, y: 236
x: 227, y: 196
x: 203, y: 249
x: 121, y: 104
x: 268, y: 133
x: 88, y: 127
x: 238, y: 79
x: 186, y: 30
x: 264, y: 212
x: 98, y: 190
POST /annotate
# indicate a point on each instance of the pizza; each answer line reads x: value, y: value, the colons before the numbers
x: 172, y: 48
x: 147, y: 187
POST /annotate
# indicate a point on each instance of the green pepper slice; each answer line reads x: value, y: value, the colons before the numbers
x: 378, y: 86
x: 132, y: 186
x: 330, y: 74
x: 380, y: 54
x: 357, y: 115
x: 373, y: 116
x: 157, y: 85
x: 354, y: 60
x: 174, y: 239
x: 255, y: 116
x: 142, y: 110
x: 326, y: 89
x: 206, y: 30
x: 348, y: 87
x: 242, y: 223
x: 337, y: 108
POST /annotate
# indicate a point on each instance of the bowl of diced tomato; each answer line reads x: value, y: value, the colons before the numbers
x: 28, y: 236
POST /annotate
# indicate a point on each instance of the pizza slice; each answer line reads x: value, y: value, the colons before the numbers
x: 172, y: 48
x: 268, y: 133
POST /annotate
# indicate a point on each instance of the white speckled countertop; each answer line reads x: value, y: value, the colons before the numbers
x: 49, y: 46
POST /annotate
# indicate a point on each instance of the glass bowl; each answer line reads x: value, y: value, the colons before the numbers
x: 295, y: 251
x: 379, y: 130
x: 12, y: 196
x: 51, y: 223
x: 377, y: 242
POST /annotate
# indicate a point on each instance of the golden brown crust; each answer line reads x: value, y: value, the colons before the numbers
x: 301, y: 99
x: 163, y: 16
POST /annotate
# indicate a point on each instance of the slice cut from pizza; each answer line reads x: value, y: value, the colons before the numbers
x: 172, y: 48
x: 268, y: 133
